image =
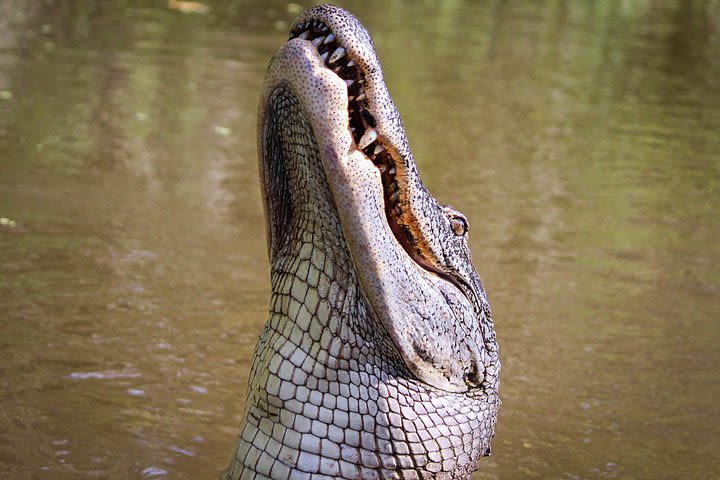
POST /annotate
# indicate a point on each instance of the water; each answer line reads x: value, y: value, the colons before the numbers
x: 581, y: 139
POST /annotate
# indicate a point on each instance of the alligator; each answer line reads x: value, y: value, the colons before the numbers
x: 379, y: 357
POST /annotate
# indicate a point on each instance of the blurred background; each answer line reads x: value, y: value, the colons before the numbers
x: 582, y: 140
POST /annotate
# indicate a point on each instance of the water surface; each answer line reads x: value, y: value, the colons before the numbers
x: 580, y: 138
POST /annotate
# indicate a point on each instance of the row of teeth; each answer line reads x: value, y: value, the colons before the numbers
x: 362, y: 123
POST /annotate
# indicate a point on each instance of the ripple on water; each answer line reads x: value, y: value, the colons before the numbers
x: 106, y: 374
x: 154, y: 472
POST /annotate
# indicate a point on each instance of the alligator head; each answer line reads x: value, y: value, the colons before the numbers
x: 379, y: 357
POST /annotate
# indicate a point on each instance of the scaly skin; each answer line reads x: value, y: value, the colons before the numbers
x: 379, y: 358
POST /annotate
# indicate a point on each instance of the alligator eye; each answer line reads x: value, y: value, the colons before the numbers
x: 459, y: 226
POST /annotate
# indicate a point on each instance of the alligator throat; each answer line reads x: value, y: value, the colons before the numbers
x: 379, y: 358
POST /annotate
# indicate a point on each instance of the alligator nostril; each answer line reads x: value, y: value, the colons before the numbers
x: 475, y: 373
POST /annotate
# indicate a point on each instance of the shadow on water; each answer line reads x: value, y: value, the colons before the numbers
x: 581, y: 139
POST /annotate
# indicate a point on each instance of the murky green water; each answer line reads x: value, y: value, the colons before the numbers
x: 582, y: 139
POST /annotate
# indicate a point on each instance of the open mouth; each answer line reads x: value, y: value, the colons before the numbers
x: 419, y: 225
x: 367, y: 139
x: 362, y: 127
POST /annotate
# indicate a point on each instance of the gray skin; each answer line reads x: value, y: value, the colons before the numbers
x: 379, y: 357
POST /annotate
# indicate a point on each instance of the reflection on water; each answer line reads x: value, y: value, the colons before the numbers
x: 580, y: 139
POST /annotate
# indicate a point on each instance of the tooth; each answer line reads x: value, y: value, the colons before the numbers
x: 316, y: 42
x: 391, y: 171
x: 394, y: 197
x: 324, y: 56
x: 368, y: 118
x: 378, y: 148
x: 304, y: 35
x: 330, y: 38
x: 351, y: 63
x: 398, y: 210
x: 337, y: 55
x: 368, y: 137
x: 348, y: 81
x: 361, y: 97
